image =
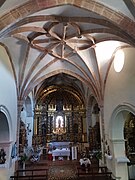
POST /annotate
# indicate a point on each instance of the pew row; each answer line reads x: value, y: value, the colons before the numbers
x: 94, y: 172
x: 31, y: 174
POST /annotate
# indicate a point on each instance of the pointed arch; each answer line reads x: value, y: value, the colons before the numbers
x: 117, y: 120
x: 5, y: 124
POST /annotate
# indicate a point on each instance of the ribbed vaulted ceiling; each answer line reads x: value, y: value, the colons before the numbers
x: 63, y: 46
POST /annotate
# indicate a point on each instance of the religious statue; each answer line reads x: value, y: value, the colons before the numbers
x: 43, y: 129
x: 59, y: 123
x: 75, y: 128
x: 14, y: 151
x: 2, y: 156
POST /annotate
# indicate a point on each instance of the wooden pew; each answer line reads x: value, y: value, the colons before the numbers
x: 31, y: 174
x: 94, y: 172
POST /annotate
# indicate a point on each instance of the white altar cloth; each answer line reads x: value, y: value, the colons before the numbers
x: 61, y: 152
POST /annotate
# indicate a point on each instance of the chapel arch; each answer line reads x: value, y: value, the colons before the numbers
x: 5, y: 125
x: 118, y: 119
x: 5, y: 131
x: 116, y: 141
x: 4, y: 128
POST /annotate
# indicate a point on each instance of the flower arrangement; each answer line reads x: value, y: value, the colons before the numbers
x: 23, y: 157
x: 99, y: 155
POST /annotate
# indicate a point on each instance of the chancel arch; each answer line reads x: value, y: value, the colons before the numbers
x: 60, y: 114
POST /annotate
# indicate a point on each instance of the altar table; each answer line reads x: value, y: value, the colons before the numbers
x: 61, y: 152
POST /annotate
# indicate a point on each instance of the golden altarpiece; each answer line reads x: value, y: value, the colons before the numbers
x: 59, y: 123
x: 129, y: 135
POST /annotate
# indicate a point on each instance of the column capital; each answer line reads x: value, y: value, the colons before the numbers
x: 20, y: 102
x: 101, y: 106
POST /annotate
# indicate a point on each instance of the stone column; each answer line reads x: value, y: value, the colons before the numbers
x: 20, y: 106
x: 119, y: 161
x: 102, y: 132
x: 88, y: 121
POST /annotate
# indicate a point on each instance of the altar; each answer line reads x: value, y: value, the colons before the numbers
x: 61, y: 152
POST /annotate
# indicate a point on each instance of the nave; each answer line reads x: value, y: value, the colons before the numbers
x: 67, y: 75
x: 62, y: 170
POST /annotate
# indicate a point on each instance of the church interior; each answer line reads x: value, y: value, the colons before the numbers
x: 67, y: 88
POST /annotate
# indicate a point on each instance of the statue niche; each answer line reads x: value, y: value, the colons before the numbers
x: 59, y: 125
x: 75, y: 127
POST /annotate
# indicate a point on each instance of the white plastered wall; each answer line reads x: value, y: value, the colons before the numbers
x: 119, y: 91
x: 8, y: 104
